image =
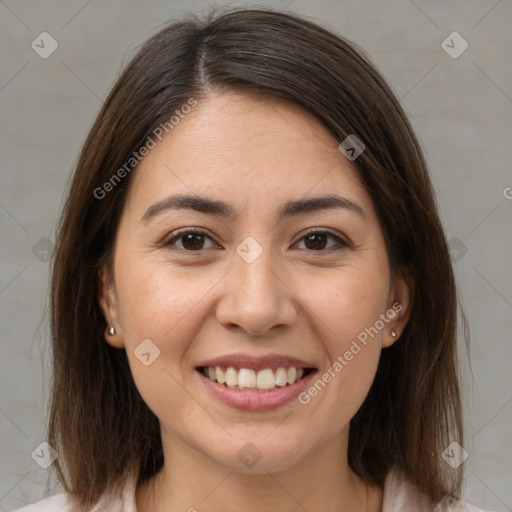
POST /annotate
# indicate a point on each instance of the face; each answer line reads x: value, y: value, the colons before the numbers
x: 256, y: 273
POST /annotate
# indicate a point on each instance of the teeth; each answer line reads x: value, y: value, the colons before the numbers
x: 231, y: 377
x: 219, y: 376
x: 291, y: 375
x: 247, y: 378
x: 266, y: 379
x: 252, y: 380
x: 281, y: 376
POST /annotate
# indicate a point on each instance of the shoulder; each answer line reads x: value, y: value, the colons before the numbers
x: 400, y: 495
x: 461, y: 506
x: 56, y: 503
x: 125, y: 502
x: 466, y: 507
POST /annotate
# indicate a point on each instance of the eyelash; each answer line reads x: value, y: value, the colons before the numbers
x: 342, y: 244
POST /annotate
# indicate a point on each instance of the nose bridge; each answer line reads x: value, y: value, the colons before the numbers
x: 254, y: 271
x: 256, y: 299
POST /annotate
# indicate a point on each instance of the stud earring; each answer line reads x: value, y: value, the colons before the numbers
x: 393, y: 334
x: 111, y: 331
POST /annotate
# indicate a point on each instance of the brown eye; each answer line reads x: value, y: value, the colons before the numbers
x: 319, y: 240
x: 190, y: 240
x: 193, y: 241
x: 316, y: 241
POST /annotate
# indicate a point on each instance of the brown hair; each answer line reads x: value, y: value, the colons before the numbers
x: 98, y: 422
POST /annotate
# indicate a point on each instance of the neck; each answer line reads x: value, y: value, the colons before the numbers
x: 191, y: 481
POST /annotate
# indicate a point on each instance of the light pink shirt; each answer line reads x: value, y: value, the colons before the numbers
x: 398, y: 497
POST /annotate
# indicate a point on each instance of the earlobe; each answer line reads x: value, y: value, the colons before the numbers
x: 399, y: 305
x: 107, y: 301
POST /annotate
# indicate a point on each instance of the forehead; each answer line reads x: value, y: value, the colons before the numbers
x: 249, y: 148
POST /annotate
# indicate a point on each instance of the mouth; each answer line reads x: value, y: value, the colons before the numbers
x: 255, y: 389
x: 253, y: 379
x: 255, y: 383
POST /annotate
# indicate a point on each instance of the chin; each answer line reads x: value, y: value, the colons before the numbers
x: 251, y: 455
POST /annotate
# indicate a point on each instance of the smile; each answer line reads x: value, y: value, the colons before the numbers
x: 248, y: 379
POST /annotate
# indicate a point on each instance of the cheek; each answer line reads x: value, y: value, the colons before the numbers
x: 157, y: 300
x: 345, y: 308
x: 169, y: 309
x: 346, y: 301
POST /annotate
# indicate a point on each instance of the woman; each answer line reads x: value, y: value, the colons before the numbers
x: 253, y: 304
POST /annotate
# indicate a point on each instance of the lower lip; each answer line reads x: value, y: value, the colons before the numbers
x: 256, y: 400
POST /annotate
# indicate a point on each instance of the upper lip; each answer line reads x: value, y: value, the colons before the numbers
x: 272, y: 361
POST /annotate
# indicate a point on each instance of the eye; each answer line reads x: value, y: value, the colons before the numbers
x: 195, y: 239
x: 317, y: 240
x: 191, y: 239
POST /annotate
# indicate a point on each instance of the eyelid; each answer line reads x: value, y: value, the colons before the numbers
x: 176, y: 235
x: 342, y: 240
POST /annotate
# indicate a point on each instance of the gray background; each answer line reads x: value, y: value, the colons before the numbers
x: 461, y: 109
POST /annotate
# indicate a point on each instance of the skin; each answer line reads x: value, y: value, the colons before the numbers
x: 294, y: 299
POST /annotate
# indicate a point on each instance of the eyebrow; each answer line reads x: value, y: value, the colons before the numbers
x: 222, y: 209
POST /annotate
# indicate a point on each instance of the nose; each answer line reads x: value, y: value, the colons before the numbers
x: 256, y: 299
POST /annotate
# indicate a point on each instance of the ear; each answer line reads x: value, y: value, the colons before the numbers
x: 400, y: 300
x: 107, y: 299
